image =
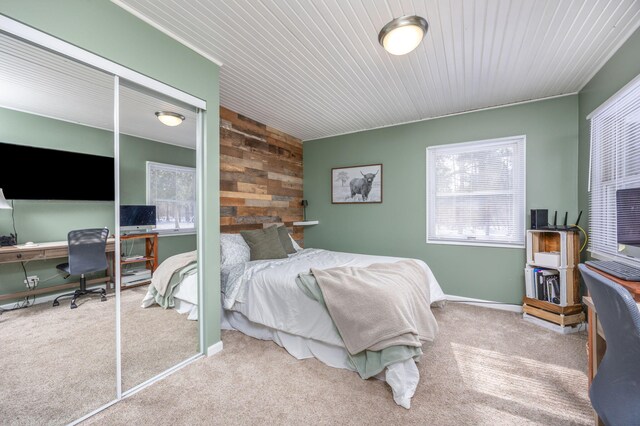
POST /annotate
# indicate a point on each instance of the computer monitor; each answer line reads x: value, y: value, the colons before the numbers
x: 628, y: 215
x: 137, y: 218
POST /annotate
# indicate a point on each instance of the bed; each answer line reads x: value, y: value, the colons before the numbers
x: 261, y: 299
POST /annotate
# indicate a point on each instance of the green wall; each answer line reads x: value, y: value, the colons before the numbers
x: 397, y: 226
x: 619, y: 70
x: 103, y: 28
x: 44, y: 221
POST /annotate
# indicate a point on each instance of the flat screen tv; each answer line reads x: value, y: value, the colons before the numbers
x: 137, y: 218
x: 29, y: 173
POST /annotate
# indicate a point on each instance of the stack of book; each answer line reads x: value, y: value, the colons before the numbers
x: 547, y: 285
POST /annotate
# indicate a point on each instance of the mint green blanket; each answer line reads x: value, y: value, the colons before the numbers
x: 178, y: 276
x: 367, y: 363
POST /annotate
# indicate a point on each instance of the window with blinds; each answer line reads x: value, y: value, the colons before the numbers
x: 476, y: 193
x: 172, y: 189
x: 614, y: 164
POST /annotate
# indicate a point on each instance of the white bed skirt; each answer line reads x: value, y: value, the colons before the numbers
x: 403, y: 377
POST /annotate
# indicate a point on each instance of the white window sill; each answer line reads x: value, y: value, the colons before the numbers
x: 476, y: 244
x: 175, y: 233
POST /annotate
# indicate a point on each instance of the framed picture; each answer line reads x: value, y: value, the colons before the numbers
x: 356, y: 184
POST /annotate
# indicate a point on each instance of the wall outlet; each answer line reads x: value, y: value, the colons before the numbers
x: 33, y: 281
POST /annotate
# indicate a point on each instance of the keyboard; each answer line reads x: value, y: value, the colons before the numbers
x: 617, y: 269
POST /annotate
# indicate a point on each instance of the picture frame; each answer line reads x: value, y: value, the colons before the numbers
x: 357, y: 184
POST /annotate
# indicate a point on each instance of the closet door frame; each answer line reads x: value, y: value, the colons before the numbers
x: 53, y: 44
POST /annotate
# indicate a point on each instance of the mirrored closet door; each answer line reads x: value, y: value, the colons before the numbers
x: 158, y: 231
x: 58, y: 306
x: 99, y: 283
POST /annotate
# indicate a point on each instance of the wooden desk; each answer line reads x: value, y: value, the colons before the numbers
x: 596, y: 341
x: 46, y: 251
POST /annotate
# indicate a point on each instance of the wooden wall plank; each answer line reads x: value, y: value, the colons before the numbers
x: 260, y: 176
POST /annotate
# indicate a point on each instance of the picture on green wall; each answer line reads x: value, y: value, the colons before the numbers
x: 356, y: 184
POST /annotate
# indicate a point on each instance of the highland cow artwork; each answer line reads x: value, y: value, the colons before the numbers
x: 357, y: 184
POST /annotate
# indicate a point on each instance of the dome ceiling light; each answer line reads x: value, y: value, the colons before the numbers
x: 402, y: 35
x: 170, y: 118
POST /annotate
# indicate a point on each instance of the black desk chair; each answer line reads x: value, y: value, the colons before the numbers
x: 615, y: 390
x: 87, y: 254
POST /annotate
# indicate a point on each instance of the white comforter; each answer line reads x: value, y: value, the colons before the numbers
x: 265, y: 293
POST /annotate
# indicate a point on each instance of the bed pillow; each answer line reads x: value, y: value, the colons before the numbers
x: 287, y: 245
x: 264, y: 244
x: 233, y: 250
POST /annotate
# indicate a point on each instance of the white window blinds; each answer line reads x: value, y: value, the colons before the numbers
x: 476, y: 193
x: 614, y: 164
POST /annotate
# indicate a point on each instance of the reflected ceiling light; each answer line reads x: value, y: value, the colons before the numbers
x: 402, y: 35
x: 170, y: 118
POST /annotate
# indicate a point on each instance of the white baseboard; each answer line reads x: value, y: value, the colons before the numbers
x: 485, y: 303
x: 214, y: 349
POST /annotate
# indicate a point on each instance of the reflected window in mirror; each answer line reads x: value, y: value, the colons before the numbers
x: 172, y: 189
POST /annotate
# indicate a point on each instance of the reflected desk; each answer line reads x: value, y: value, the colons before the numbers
x: 46, y: 251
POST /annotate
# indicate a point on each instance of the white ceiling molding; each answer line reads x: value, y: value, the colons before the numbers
x: 315, y: 69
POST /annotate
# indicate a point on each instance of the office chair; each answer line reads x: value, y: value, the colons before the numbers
x: 87, y: 253
x: 615, y: 390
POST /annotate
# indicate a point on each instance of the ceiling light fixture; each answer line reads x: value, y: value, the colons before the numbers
x: 402, y: 35
x: 170, y: 118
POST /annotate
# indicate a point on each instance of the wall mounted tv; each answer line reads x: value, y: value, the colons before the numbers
x: 28, y: 173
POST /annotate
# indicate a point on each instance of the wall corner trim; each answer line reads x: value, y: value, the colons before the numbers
x: 214, y: 349
x: 485, y: 303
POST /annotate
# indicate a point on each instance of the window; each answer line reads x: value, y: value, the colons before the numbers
x: 614, y: 164
x: 476, y: 193
x: 172, y: 189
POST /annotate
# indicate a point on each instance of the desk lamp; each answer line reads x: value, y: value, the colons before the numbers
x: 4, y: 205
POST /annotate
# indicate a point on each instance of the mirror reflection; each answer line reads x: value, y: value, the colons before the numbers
x: 57, y: 304
x: 159, y: 291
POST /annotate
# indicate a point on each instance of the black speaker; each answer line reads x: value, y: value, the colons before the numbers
x: 539, y: 218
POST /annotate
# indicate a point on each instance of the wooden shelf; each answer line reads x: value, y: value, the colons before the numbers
x: 142, y: 259
x: 306, y: 223
x: 569, y: 310
x: 150, y: 258
x: 552, y: 307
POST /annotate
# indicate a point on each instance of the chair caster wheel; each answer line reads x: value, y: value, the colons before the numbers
x: 73, y: 305
x: 103, y: 298
x: 56, y: 303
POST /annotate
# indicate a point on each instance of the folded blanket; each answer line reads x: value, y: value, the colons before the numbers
x: 366, y: 363
x: 382, y: 305
x: 164, y: 272
x: 167, y: 300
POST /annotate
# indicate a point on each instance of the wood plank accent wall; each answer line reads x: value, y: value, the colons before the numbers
x: 260, y: 176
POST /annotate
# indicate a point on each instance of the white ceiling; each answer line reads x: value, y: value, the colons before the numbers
x: 39, y: 82
x: 314, y: 68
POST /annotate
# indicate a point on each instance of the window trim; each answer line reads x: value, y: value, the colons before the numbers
x: 173, y: 232
x: 497, y: 141
x: 614, y: 183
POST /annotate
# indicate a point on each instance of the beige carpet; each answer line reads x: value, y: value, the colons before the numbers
x: 486, y: 367
x: 58, y: 364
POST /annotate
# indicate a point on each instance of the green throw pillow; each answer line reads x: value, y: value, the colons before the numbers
x: 287, y: 245
x: 264, y: 244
